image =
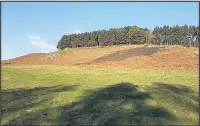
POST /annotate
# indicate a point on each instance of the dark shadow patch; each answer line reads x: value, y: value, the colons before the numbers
x: 124, y: 54
x: 7, y: 63
x: 16, y: 99
x: 176, y: 94
x: 176, y: 88
x: 120, y: 104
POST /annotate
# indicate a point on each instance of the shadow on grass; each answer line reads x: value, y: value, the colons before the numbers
x: 118, y: 104
x: 18, y: 99
x: 176, y: 94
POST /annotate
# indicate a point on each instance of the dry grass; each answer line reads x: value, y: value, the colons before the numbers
x: 170, y: 57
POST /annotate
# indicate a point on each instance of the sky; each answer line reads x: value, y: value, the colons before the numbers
x: 36, y: 27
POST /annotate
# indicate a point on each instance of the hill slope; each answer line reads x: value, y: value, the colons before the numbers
x: 168, y: 57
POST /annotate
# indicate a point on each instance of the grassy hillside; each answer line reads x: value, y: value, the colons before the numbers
x: 72, y: 95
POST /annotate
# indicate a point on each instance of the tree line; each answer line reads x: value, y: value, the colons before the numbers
x: 176, y: 35
x: 166, y: 35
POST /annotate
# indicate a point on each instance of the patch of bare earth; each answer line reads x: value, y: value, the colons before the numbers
x: 178, y: 58
x: 124, y: 54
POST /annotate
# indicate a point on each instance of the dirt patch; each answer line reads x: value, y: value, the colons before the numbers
x: 173, y: 58
x: 124, y: 54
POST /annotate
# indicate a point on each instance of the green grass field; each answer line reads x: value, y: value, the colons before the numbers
x: 72, y: 95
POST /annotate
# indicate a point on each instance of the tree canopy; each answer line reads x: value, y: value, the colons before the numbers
x: 174, y: 35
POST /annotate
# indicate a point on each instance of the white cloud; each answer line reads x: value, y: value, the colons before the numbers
x: 33, y: 36
x: 76, y: 31
x: 36, y: 40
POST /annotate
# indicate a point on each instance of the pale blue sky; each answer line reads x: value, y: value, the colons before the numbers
x: 34, y: 27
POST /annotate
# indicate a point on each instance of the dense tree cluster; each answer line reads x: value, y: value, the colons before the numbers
x: 176, y: 35
x: 113, y: 36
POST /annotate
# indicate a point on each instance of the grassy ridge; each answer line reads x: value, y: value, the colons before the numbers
x: 60, y: 95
